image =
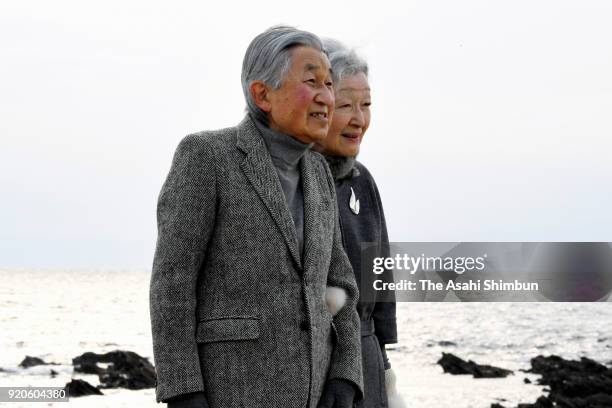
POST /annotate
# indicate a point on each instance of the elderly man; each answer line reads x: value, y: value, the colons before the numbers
x: 248, y: 242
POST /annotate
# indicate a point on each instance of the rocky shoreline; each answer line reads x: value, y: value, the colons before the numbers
x: 573, y: 384
x: 582, y: 383
x: 115, y: 369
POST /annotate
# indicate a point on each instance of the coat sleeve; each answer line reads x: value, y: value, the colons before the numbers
x: 185, y: 219
x: 385, y: 324
x: 346, y: 357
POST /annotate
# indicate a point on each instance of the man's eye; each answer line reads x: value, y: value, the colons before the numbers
x: 367, y: 104
x: 329, y: 84
x: 311, y: 81
x: 345, y: 105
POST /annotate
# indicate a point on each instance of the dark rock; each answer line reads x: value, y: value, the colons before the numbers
x: 496, y: 405
x: 125, y: 369
x: 592, y: 401
x: 542, y: 402
x: 571, y: 379
x: 548, y: 366
x: 80, y: 388
x: 454, y: 365
x: 29, y: 361
x: 53, y: 373
x: 446, y: 343
x: 526, y: 380
x: 572, y: 384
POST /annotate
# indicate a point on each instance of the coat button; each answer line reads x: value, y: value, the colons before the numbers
x: 304, y: 326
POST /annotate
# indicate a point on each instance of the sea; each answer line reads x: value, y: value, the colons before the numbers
x: 57, y: 315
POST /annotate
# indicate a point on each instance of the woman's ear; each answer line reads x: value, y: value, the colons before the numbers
x: 260, y: 93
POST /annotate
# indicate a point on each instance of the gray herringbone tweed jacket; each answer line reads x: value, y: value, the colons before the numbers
x: 235, y: 311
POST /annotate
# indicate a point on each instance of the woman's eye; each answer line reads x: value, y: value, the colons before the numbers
x: 367, y: 104
x: 311, y: 81
x: 329, y: 84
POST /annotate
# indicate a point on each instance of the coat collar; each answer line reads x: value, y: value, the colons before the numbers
x: 342, y: 167
x: 259, y: 170
x: 316, y: 208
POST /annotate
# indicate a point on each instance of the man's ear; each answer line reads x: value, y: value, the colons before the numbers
x: 261, y: 96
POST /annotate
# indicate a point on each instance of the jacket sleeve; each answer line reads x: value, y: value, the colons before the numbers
x: 346, y: 357
x: 385, y: 324
x: 185, y: 218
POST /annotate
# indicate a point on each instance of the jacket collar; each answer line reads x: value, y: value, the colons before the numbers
x: 259, y: 170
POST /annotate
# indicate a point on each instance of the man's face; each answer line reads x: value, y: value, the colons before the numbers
x: 303, y: 105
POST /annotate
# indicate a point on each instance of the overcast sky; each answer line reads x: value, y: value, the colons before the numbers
x: 492, y: 121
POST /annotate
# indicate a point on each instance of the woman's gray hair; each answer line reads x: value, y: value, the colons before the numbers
x: 344, y: 61
x: 268, y: 59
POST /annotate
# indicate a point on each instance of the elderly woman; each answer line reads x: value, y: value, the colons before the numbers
x: 361, y: 216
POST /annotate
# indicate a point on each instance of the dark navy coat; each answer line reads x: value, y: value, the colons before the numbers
x: 378, y: 319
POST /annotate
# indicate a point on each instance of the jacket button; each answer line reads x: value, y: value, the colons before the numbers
x: 304, y: 326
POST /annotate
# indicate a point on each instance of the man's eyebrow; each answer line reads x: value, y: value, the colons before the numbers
x: 311, y: 67
x: 315, y: 67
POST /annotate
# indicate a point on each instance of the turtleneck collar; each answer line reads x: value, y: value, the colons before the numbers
x: 285, y: 150
x: 342, y: 167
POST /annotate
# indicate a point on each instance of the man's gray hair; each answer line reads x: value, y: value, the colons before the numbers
x: 268, y: 59
x: 344, y: 61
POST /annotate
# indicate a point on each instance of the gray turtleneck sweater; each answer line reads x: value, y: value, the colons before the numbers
x: 286, y: 153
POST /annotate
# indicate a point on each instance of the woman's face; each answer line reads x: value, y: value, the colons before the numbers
x: 351, y: 117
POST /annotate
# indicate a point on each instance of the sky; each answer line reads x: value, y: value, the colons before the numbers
x: 491, y: 120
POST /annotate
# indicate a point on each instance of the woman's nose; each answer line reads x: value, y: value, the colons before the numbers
x: 357, y: 119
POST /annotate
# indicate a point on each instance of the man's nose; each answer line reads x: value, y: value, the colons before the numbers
x: 326, y: 97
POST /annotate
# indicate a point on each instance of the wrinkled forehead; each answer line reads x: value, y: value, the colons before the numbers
x: 354, y: 85
x: 353, y: 93
x: 308, y: 59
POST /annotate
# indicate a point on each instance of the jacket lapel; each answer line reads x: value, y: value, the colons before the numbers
x: 260, y: 171
x: 312, y: 207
